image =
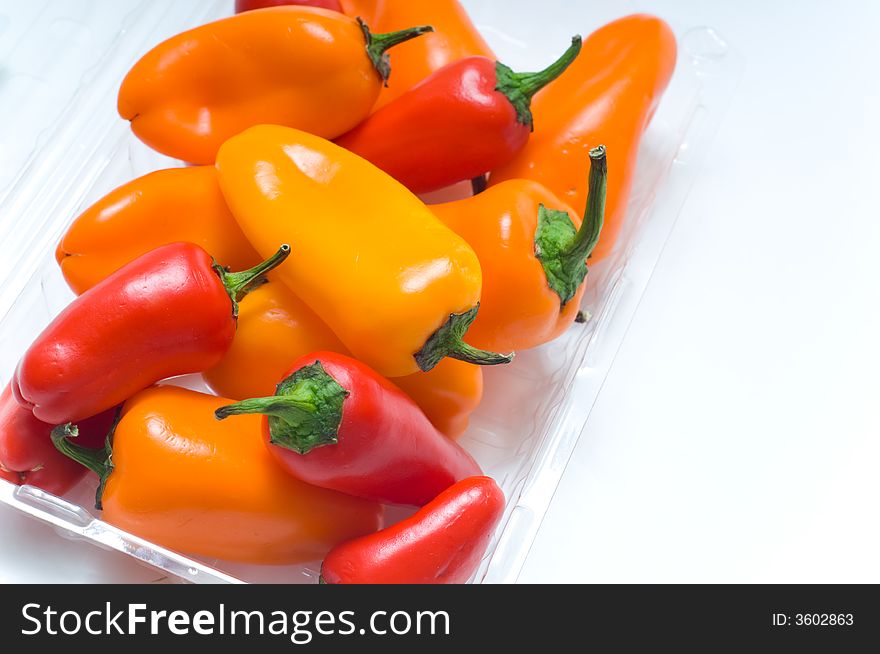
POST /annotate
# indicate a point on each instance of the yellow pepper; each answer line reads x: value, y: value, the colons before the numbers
x: 396, y: 286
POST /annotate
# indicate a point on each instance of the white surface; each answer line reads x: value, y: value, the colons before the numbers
x: 734, y: 439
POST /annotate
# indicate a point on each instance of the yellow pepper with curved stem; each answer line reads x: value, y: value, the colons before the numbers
x: 396, y: 285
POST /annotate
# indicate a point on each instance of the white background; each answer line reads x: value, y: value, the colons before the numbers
x: 736, y: 437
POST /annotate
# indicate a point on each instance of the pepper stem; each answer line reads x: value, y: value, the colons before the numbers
x: 520, y: 87
x: 304, y: 413
x: 563, y: 250
x: 587, y: 236
x: 239, y: 284
x: 378, y: 44
x: 99, y: 460
x: 447, y: 342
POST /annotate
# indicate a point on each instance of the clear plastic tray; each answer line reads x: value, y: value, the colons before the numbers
x: 534, y: 410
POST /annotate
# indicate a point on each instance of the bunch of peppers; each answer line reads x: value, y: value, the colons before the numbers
x: 345, y: 349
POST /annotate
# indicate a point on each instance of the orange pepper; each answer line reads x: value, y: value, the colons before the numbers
x: 167, y: 206
x: 275, y: 328
x: 183, y: 480
x: 454, y: 38
x: 608, y: 96
x: 396, y: 286
x: 448, y: 394
x: 314, y: 69
x: 532, y: 249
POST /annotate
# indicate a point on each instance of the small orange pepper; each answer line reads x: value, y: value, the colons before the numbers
x: 314, y: 69
x: 448, y: 394
x: 275, y: 328
x: 167, y: 206
x: 454, y: 38
x: 533, y: 250
x: 181, y: 479
x: 608, y: 96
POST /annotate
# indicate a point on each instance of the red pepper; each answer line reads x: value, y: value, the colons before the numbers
x: 442, y: 543
x: 464, y: 120
x: 249, y: 5
x: 169, y: 312
x: 27, y: 455
x: 334, y: 422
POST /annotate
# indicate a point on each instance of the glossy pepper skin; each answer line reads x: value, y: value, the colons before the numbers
x: 471, y: 116
x: 314, y: 69
x: 393, y: 283
x: 275, y: 327
x: 335, y: 423
x: 454, y: 38
x: 607, y: 96
x: 250, y: 5
x: 166, y: 206
x: 181, y: 479
x: 442, y: 543
x: 533, y: 249
x: 169, y: 312
x: 27, y: 455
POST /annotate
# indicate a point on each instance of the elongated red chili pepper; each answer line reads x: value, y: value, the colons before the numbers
x: 27, y: 455
x: 442, y: 543
x: 469, y: 117
x: 250, y: 5
x: 169, y: 312
x: 335, y: 423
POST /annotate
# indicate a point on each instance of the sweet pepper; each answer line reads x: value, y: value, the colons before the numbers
x: 395, y: 285
x: 314, y: 69
x: 174, y: 475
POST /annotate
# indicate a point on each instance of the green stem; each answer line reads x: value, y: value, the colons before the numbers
x: 521, y: 87
x: 304, y: 413
x: 378, y: 44
x: 253, y: 286
x: 239, y: 284
x: 594, y: 216
x: 98, y: 460
x: 447, y: 342
x: 562, y: 250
